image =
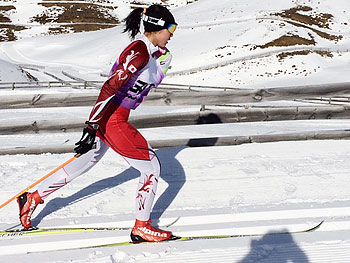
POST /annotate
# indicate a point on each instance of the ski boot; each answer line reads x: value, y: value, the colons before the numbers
x: 27, y: 203
x: 144, y: 232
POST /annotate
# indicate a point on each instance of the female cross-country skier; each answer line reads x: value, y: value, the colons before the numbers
x: 141, y: 66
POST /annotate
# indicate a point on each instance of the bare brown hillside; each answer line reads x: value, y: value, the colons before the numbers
x: 305, y: 17
x: 65, y: 17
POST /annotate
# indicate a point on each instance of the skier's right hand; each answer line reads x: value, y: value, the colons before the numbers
x: 87, y: 140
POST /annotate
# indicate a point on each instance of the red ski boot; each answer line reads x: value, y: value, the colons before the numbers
x: 27, y: 203
x: 144, y: 232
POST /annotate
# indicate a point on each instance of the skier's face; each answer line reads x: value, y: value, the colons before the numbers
x: 163, y: 36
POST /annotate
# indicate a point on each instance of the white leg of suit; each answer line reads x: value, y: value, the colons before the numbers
x: 147, y: 186
x: 72, y: 170
x: 146, y: 189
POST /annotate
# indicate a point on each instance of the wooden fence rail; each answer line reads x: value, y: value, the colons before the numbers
x: 188, y: 118
x: 83, y: 84
x: 200, y: 142
x: 50, y: 84
x: 184, y: 97
x: 188, y: 97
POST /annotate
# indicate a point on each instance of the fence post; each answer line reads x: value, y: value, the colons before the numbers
x: 13, y: 85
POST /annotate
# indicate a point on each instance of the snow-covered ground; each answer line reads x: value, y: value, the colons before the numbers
x: 250, y: 188
x: 225, y: 190
x: 9, y: 71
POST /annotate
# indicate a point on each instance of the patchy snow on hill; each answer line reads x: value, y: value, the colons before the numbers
x: 227, y: 43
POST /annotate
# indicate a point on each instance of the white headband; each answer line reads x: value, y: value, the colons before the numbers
x: 153, y: 20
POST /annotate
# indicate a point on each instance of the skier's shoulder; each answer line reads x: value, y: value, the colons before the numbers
x: 137, y: 53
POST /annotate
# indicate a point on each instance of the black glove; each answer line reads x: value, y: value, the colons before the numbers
x: 87, y: 140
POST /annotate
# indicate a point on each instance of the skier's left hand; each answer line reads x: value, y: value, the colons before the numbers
x: 87, y: 140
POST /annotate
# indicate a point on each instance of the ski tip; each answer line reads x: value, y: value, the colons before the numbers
x: 174, y: 222
x: 320, y: 224
x: 315, y: 227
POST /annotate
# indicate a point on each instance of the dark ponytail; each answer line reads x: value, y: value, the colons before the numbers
x: 133, y: 22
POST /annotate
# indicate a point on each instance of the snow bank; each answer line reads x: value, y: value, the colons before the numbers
x: 11, y: 73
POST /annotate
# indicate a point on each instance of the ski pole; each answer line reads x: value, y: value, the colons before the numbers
x: 40, y: 180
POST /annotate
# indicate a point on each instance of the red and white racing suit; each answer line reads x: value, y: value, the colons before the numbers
x: 133, y: 75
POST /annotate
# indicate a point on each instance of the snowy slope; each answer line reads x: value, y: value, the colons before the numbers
x: 228, y: 33
x: 244, y: 189
x: 251, y: 188
x: 11, y: 72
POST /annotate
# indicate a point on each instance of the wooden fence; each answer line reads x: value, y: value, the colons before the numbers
x: 194, y: 95
x: 187, y: 118
x: 200, y: 142
x: 173, y: 97
x: 50, y: 84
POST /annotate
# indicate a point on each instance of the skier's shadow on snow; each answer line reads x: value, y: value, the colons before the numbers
x: 279, y: 247
x: 173, y: 173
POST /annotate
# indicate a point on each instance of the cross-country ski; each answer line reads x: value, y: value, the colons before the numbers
x: 190, y: 238
x: 85, y: 241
